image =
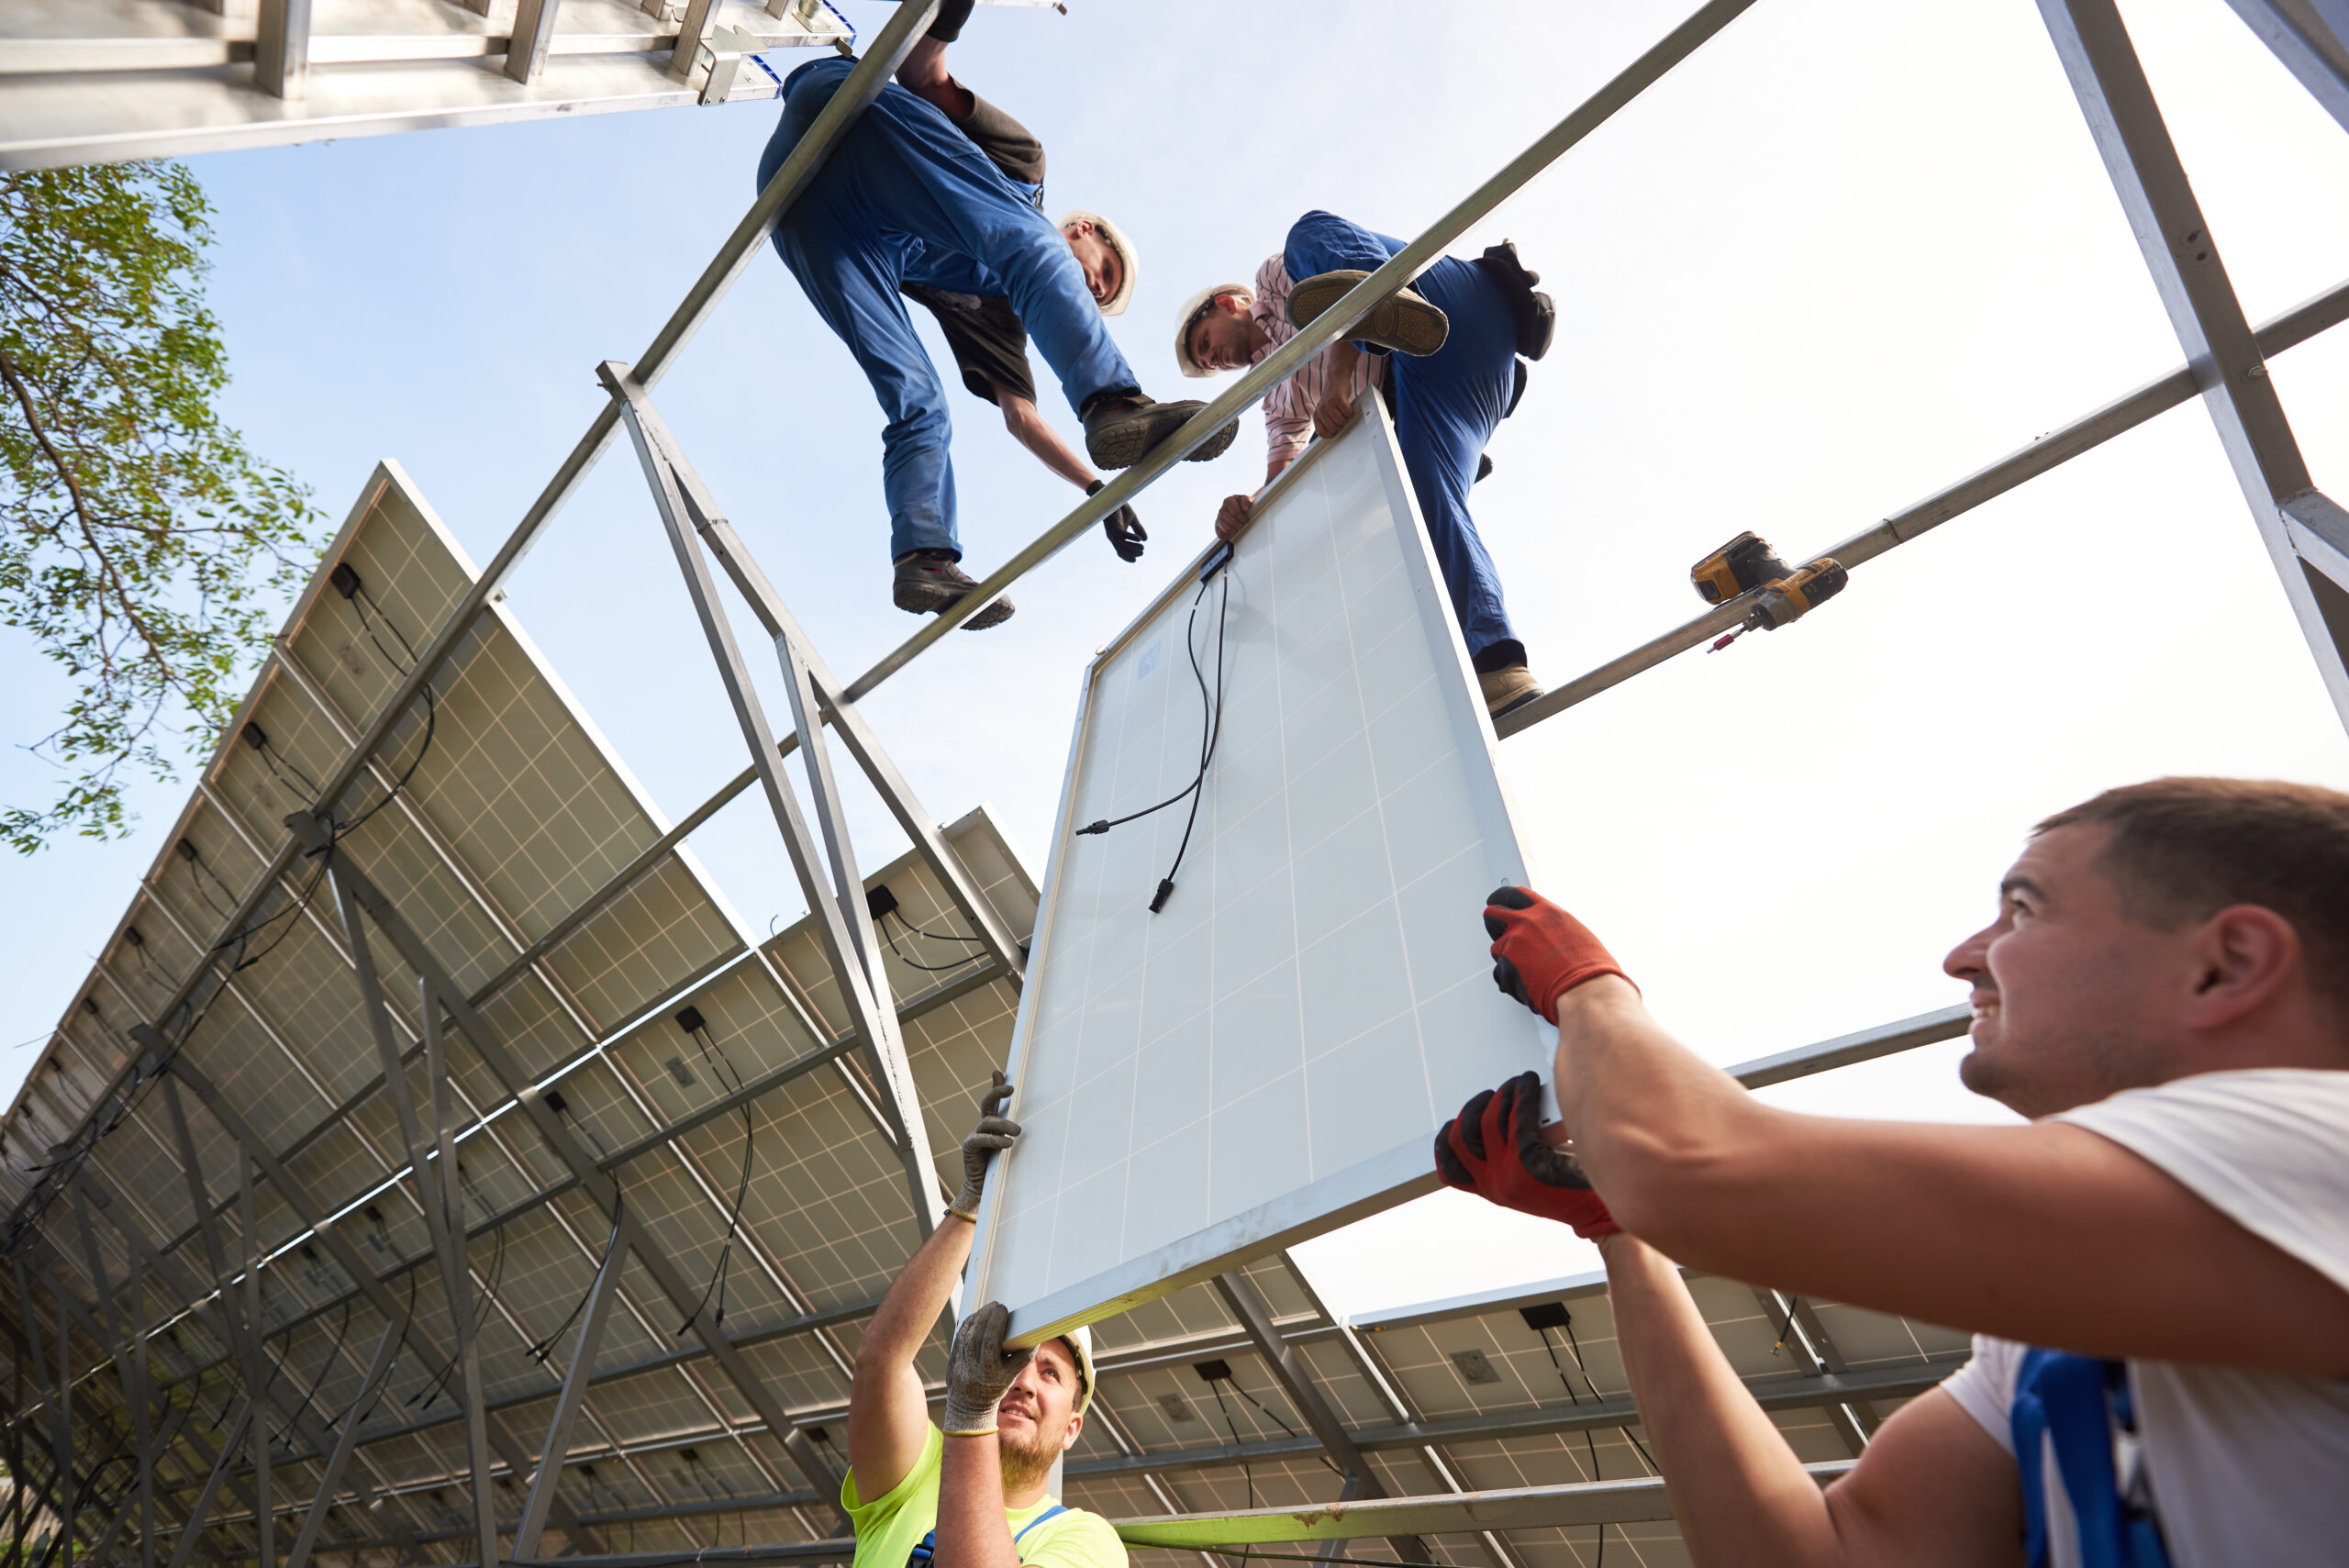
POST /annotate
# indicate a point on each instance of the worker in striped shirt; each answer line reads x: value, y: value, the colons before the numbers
x: 1454, y: 374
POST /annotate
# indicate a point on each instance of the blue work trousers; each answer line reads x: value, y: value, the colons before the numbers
x: 1447, y: 405
x: 905, y: 197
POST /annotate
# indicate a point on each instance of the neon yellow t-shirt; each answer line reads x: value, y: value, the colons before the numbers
x: 891, y: 1524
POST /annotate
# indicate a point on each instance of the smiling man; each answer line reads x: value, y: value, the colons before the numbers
x: 970, y: 1495
x: 2156, y: 1267
x: 934, y: 194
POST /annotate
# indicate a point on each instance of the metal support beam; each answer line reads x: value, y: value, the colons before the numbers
x: 54, y: 1401
x: 2311, y: 38
x: 306, y: 1209
x: 2228, y: 366
x: 281, y: 48
x: 792, y: 640
x: 843, y: 926
x: 387, y: 1350
x: 525, y: 51
x: 432, y: 1189
x: 1793, y: 1392
x: 1373, y: 1370
x: 265, y: 1515
x: 575, y: 1379
x: 420, y: 960
x: 1784, y: 1312
x: 2287, y: 331
x: 448, y: 1201
x: 201, y: 1512
x: 1524, y: 1507
x: 1289, y: 1370
x: 129, y: 1349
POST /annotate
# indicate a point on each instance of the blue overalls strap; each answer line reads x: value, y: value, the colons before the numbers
x: 2074, y: 1403
x: 927, y: 1548
x: 1052, y: 1512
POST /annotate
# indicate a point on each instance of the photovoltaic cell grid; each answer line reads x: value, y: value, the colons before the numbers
x: 669, y: 1454
x: 1315, y: 995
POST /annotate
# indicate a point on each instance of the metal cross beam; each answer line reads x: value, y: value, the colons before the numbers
x: 1289, y: 1370
x: 443, y: 1215
x: 2311, y: 38
x: 843, y: 923
x: 2221, y: 350
x: 308, y: 1210
x: 1373, y: 1370
x: 420, y: 960
x: 575, y: 1379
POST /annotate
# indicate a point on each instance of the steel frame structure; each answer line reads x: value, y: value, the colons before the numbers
x: 93, y: 1395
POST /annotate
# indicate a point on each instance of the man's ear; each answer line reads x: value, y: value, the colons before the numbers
x: 1076, y: 1425
x: 2245, y: 954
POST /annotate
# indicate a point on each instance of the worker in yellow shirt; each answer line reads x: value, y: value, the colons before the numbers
x: 973, y: 1495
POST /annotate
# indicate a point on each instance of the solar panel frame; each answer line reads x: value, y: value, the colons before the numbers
x: 1338, y: 540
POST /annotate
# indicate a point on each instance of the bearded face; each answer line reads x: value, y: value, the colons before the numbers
x: 1038, y: 1420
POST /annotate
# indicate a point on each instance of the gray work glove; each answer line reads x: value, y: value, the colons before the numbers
x: 993, y: 1133
x: 979, y: 1371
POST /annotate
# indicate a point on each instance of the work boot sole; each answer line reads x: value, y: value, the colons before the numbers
x: 1402, y: 321
x: 1123, y: 442
x: 927, y: 599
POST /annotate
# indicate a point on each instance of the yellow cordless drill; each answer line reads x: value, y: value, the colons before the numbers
x: 1746, y: 566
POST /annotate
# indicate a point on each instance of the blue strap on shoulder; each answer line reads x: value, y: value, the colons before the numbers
x: 1052, y: 1512
x: 927, y: 1548
x: 2075, y: 1402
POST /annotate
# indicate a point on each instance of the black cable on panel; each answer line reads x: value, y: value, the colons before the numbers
x: 698, y: 1028
x: 889, y: 937
x: 1216, y: 1374
x: 1210, y: 721
x: 545, y: 1347
x: 347, y: 582
x: 341, y: 1333
x: 1794, y: 1305
x: 1274, y: 1417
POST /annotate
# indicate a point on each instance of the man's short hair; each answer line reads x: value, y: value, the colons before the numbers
x: 2183, y: 848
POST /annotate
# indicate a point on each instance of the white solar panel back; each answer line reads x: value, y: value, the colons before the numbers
x: 1269, y: 1056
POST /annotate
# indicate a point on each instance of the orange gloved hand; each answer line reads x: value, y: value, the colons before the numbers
x: 1491, y: 1148
x: 1540, y: 952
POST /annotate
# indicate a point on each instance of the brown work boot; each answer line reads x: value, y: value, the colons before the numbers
x: 1402, y: 321
x: 928, y: 583
x: 1121, y: 428
x: 1510, y: 686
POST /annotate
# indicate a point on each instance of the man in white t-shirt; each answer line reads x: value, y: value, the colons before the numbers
x: 2157, y: 1267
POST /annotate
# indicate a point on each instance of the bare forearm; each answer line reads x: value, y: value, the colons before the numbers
x: 1654, y: 1123
x: 1030, y: 430
x: 918, y: 1294
x: 971, y: 1528
x: 1738, y: 1491
x: 1344, y: 360
x: 888, y: 1410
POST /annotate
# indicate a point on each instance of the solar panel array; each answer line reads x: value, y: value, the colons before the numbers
x: 510, y: 849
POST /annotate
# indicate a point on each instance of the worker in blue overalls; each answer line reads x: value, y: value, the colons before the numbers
x: 908, y: 197
x: 1459, y: 338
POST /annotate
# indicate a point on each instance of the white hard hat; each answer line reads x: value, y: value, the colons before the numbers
x: 1191, y: 308
x: 1115, y: 238
x: 1080, y: 1339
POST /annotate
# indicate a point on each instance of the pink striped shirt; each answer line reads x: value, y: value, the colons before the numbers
x: 1288, y: 408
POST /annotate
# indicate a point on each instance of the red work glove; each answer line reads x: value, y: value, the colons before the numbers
x: 1491, y: 1148
x: 1540, y: 952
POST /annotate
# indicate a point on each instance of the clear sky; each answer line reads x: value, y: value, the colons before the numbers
x: 1843, y: 256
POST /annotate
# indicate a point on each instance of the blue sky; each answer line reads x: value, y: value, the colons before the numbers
x: 1840, y: 258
